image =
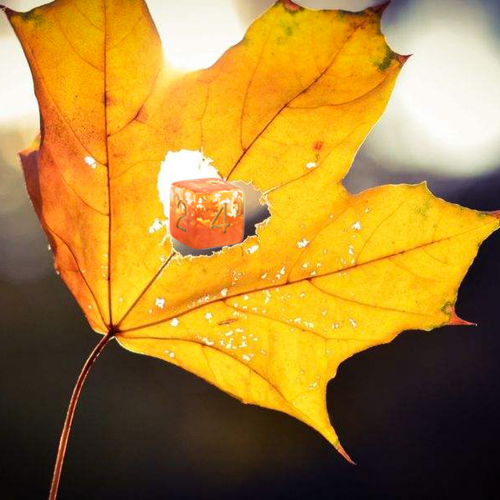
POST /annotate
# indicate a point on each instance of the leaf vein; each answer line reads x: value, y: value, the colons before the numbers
x: 366, y: 304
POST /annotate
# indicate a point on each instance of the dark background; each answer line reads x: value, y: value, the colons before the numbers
x: 420, y: 416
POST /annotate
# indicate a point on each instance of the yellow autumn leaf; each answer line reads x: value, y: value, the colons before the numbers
x: 327, y: 275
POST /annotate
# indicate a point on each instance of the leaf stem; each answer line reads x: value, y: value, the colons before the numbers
x: 63, y: 442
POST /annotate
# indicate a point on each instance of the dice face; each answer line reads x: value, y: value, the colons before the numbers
x: 206, y: 213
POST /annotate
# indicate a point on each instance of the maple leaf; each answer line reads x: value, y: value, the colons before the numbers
x: 328, y: 275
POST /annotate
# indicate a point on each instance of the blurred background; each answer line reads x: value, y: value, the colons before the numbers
x: 421, y: 416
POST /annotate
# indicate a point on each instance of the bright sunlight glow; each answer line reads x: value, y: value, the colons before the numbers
x: 444, y: 114
x: 194, y: 33
x: 16, y: 96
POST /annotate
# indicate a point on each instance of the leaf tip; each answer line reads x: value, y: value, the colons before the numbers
x: 341, y: 450
x: 380, y: 8
x: 8, y: 12
x: 290, y: 5
x: 403, y: 58
x: 455, y: 320
x: 495, y: 213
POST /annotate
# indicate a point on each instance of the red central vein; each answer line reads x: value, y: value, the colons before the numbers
x: 110, y: 302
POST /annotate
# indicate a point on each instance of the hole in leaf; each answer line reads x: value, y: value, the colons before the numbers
x: 187, y: 165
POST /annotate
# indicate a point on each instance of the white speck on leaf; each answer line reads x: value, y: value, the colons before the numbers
x: 281, y: 273
x: 90, y: 162
x: 311, y: 164
x: 356, y: 226
x: 174, y: 322
x: 157, y: 225
x: 252, y: 249
x: 159, y: 302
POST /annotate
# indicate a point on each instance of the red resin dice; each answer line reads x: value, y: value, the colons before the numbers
x: 206, y: 213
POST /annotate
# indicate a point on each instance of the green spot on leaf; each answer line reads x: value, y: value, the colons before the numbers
x: 424, y: 208
x: 32, y: 16
x: 386, y: 62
